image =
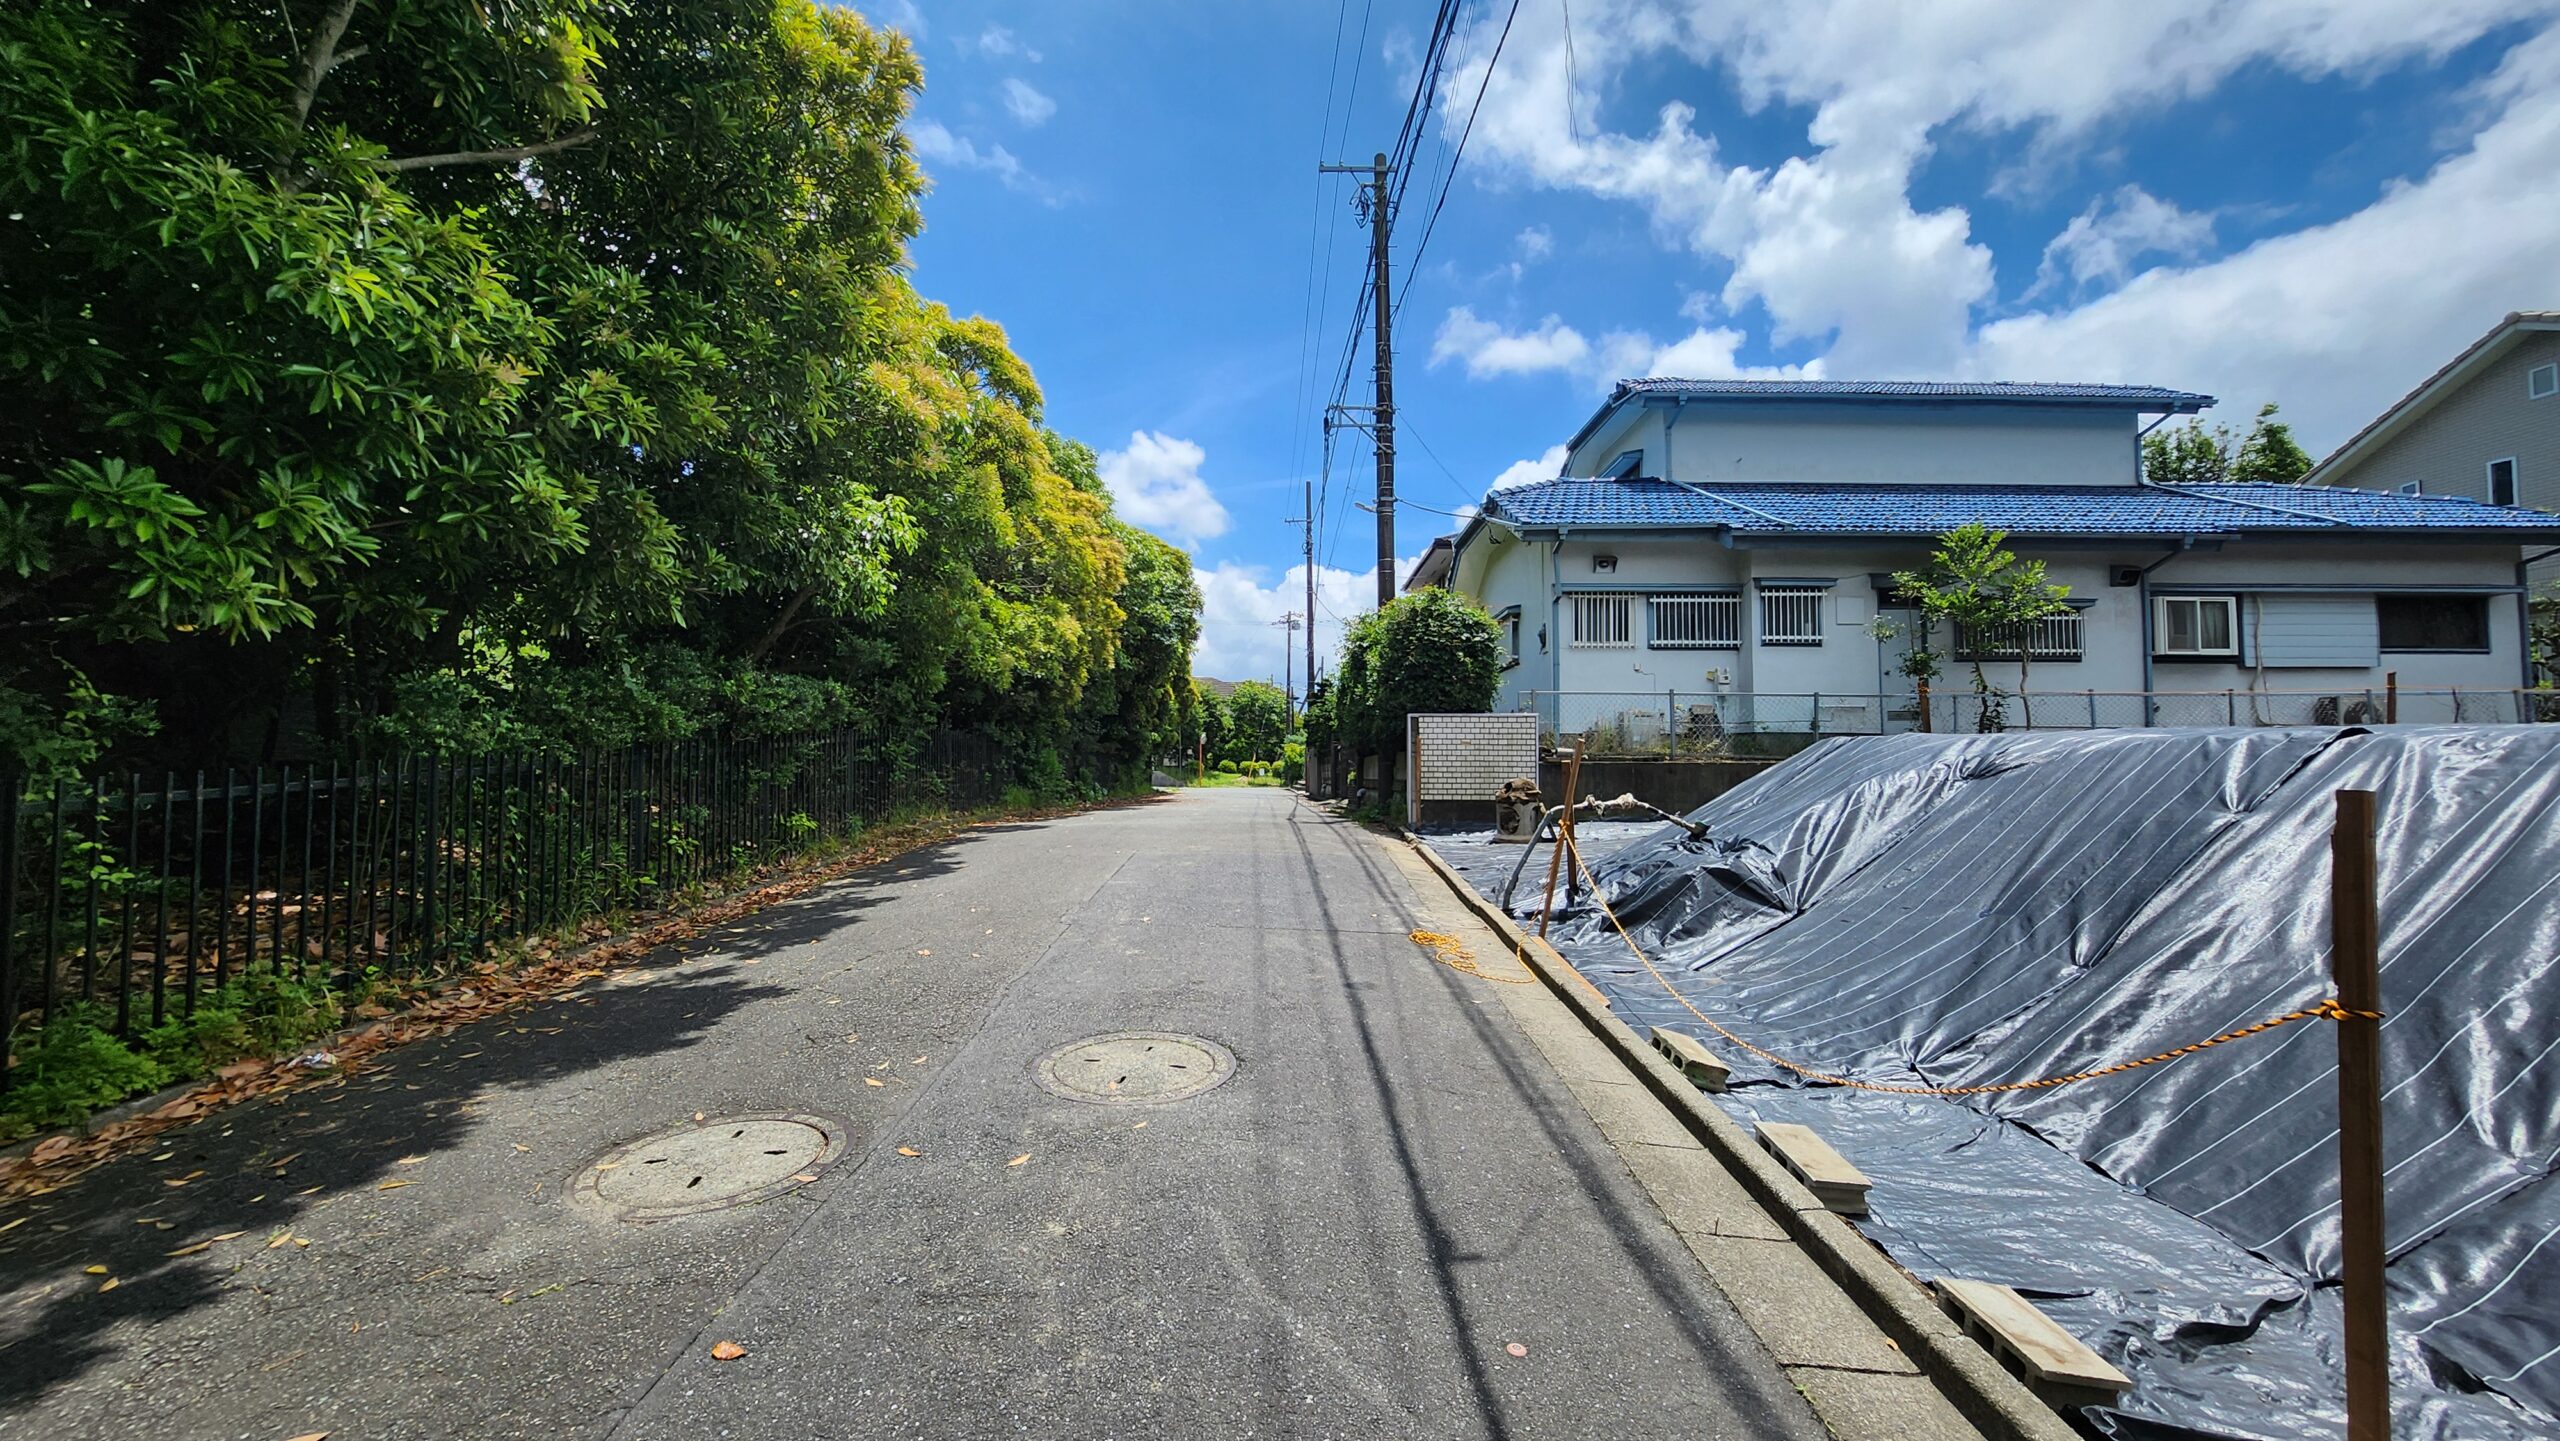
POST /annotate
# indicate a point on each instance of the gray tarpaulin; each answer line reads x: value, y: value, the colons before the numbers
x: 1958, y: 910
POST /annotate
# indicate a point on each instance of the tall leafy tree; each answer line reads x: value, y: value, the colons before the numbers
x: 2270, y: 454
x: 2189, y: 454
x: 1257, y: 721
x: 1431, y: 650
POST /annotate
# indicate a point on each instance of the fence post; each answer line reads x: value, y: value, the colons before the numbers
x: 2356, y: 970
x: 1813, y: 714
x: 1925, y: 724
x: 10, y: 784
x: 2093, y: 710
x: 2391, y: 698
x: 1671, y: 725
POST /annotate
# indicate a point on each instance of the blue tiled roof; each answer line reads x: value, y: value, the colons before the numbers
x: 1782, y: 508
x: 2147, y: 397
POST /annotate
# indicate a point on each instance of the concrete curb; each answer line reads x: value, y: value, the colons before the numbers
x: 1974, y: 1383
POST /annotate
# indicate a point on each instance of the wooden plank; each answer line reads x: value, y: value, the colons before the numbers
x: 1840, y: 1186
x: 2029, y: 1338
x: 1692, y: 1058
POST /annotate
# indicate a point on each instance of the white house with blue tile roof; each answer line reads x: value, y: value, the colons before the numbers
x: 1728, y: 545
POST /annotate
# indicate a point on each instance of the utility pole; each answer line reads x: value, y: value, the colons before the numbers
x: 1288, y: 695
x: 1382, y: 418
x: 1311, y: 589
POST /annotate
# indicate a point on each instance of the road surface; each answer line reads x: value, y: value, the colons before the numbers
x: 1393, y: 1220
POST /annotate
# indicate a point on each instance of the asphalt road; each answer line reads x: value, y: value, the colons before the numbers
x: 1393, y: 1220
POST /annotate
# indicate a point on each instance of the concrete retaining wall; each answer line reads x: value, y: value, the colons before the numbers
x: 1677, y: 786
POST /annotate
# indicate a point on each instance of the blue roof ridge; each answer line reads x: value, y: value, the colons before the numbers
x: 1736, y: 504
x: 2258, y: 505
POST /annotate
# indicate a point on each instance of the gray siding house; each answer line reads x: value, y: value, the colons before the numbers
x: 1719, y: 556
x: 2484, y: 427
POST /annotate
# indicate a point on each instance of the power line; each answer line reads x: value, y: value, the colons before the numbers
x: 1413, y: 262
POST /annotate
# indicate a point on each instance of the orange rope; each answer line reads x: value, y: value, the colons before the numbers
x: 2328, y: 1009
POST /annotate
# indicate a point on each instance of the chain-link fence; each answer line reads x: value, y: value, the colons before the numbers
x: 1701, y: 723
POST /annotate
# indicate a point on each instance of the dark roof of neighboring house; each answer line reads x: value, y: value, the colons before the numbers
x: 1433, y: 568
x: 2435, y: 387
x: 1787, y: 508
x: 1934, y: 392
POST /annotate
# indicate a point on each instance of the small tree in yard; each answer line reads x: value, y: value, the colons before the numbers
x: 1433, y: 650
x: 1994, y: 600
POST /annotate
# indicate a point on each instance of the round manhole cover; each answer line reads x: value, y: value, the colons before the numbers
x: 707, y: 1165
x: 1135, y: 1068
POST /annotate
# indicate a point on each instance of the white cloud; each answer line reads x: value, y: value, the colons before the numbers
x: 1535, y: 243
x: 900, y: 15
x: 2101, y: 243
x: 936, y: 145
x: 1027, y: 105
x: 1703, y: 354
x: 1523, y: 472
x: 1830, y: 246
x: 2336, y: 321
x: 1002, y: 43
x: 1238, y: 604
x: 1488, y: 349
x: 1155, y: 484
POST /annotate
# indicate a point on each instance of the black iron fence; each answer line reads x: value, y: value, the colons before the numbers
x: 132, y: 896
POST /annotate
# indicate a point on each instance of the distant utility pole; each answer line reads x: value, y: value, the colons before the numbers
x: 1288, y: 696
x: 1309, y: 521
x: 1375, y: 209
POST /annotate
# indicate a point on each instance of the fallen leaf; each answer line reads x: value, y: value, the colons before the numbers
x: 94, y: 1270
x: 1516, y: 1349
x: 1139, y: 1127
x: 873, y: 1081
x: 409, y: 1161
x: 522, y: 1147
x: 197, y: 1249
x: 1018, y: 1160
x: 310, y: 1436
x: 909, y: 1151
x: 302, y: 1240
x: 110, y: 1284
x: 918, y: 1061
x: 231, y: 1235
x: 727, y: 1351
x: 697, y: 1116
x: 278, y: 1239
x: 394, y: 1185
x: 924, y: 953
x: 806, y: 1176
x: 13, y: 1225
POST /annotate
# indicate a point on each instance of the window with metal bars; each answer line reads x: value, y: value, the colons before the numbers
x: 1603, y: 620
x: 2055, y: 637
x: 1695, y: 622
x: 1791, y: 614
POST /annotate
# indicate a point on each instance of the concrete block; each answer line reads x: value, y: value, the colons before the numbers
x: 1691, y: 1058
x: 2055, y: 1364
x: 1840, y: 1186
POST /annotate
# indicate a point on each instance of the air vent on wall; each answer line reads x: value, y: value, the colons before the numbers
x: 2121, y: 575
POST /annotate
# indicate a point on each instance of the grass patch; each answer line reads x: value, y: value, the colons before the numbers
x: 75, y: 1065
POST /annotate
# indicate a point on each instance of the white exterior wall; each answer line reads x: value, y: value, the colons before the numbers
x: 1953, y: 444
x: 1500, y: 571
x: 1850, y: 660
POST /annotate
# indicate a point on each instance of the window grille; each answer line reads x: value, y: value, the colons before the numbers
x: 2055, y: 637
x: 1603, y: 620
x: 1696, y: 622
x: 1791, y: 614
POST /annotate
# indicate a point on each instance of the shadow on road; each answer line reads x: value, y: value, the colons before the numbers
x: 259, y: 1167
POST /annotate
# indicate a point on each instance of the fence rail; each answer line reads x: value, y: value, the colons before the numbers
x: 1680, y: 723
x: 134, y: 896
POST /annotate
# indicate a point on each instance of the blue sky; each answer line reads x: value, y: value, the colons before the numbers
x: 2314, y: 202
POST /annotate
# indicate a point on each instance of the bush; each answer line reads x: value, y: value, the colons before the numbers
x: 1226, y: 768
x: 1293, y: 762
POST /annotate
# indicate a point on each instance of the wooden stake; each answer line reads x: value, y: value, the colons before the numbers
x: 2356, y: 968
x: 1564, y: 832
x: 2391, y: 697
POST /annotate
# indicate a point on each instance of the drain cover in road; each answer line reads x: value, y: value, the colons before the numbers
x: 1135, y: 1068
x: 709, y: 1165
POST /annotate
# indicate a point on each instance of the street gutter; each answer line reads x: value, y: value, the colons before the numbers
x: 1970, y: 1379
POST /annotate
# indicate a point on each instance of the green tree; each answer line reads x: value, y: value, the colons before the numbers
x: 1213, y: 724
x: 1431, y: 650
x: 2189, y: 454
x: 2270, y: 454
x: 1993, y: 601
x: 1257, y: 721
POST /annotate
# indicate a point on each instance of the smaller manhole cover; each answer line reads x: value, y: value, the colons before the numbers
x: 1135, y: 1068
x: 708, y: 1165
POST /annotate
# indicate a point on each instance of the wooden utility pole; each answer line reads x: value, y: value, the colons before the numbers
x: 1382, y: 417
x: 2355, y: 961
x: 1311, y: 587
